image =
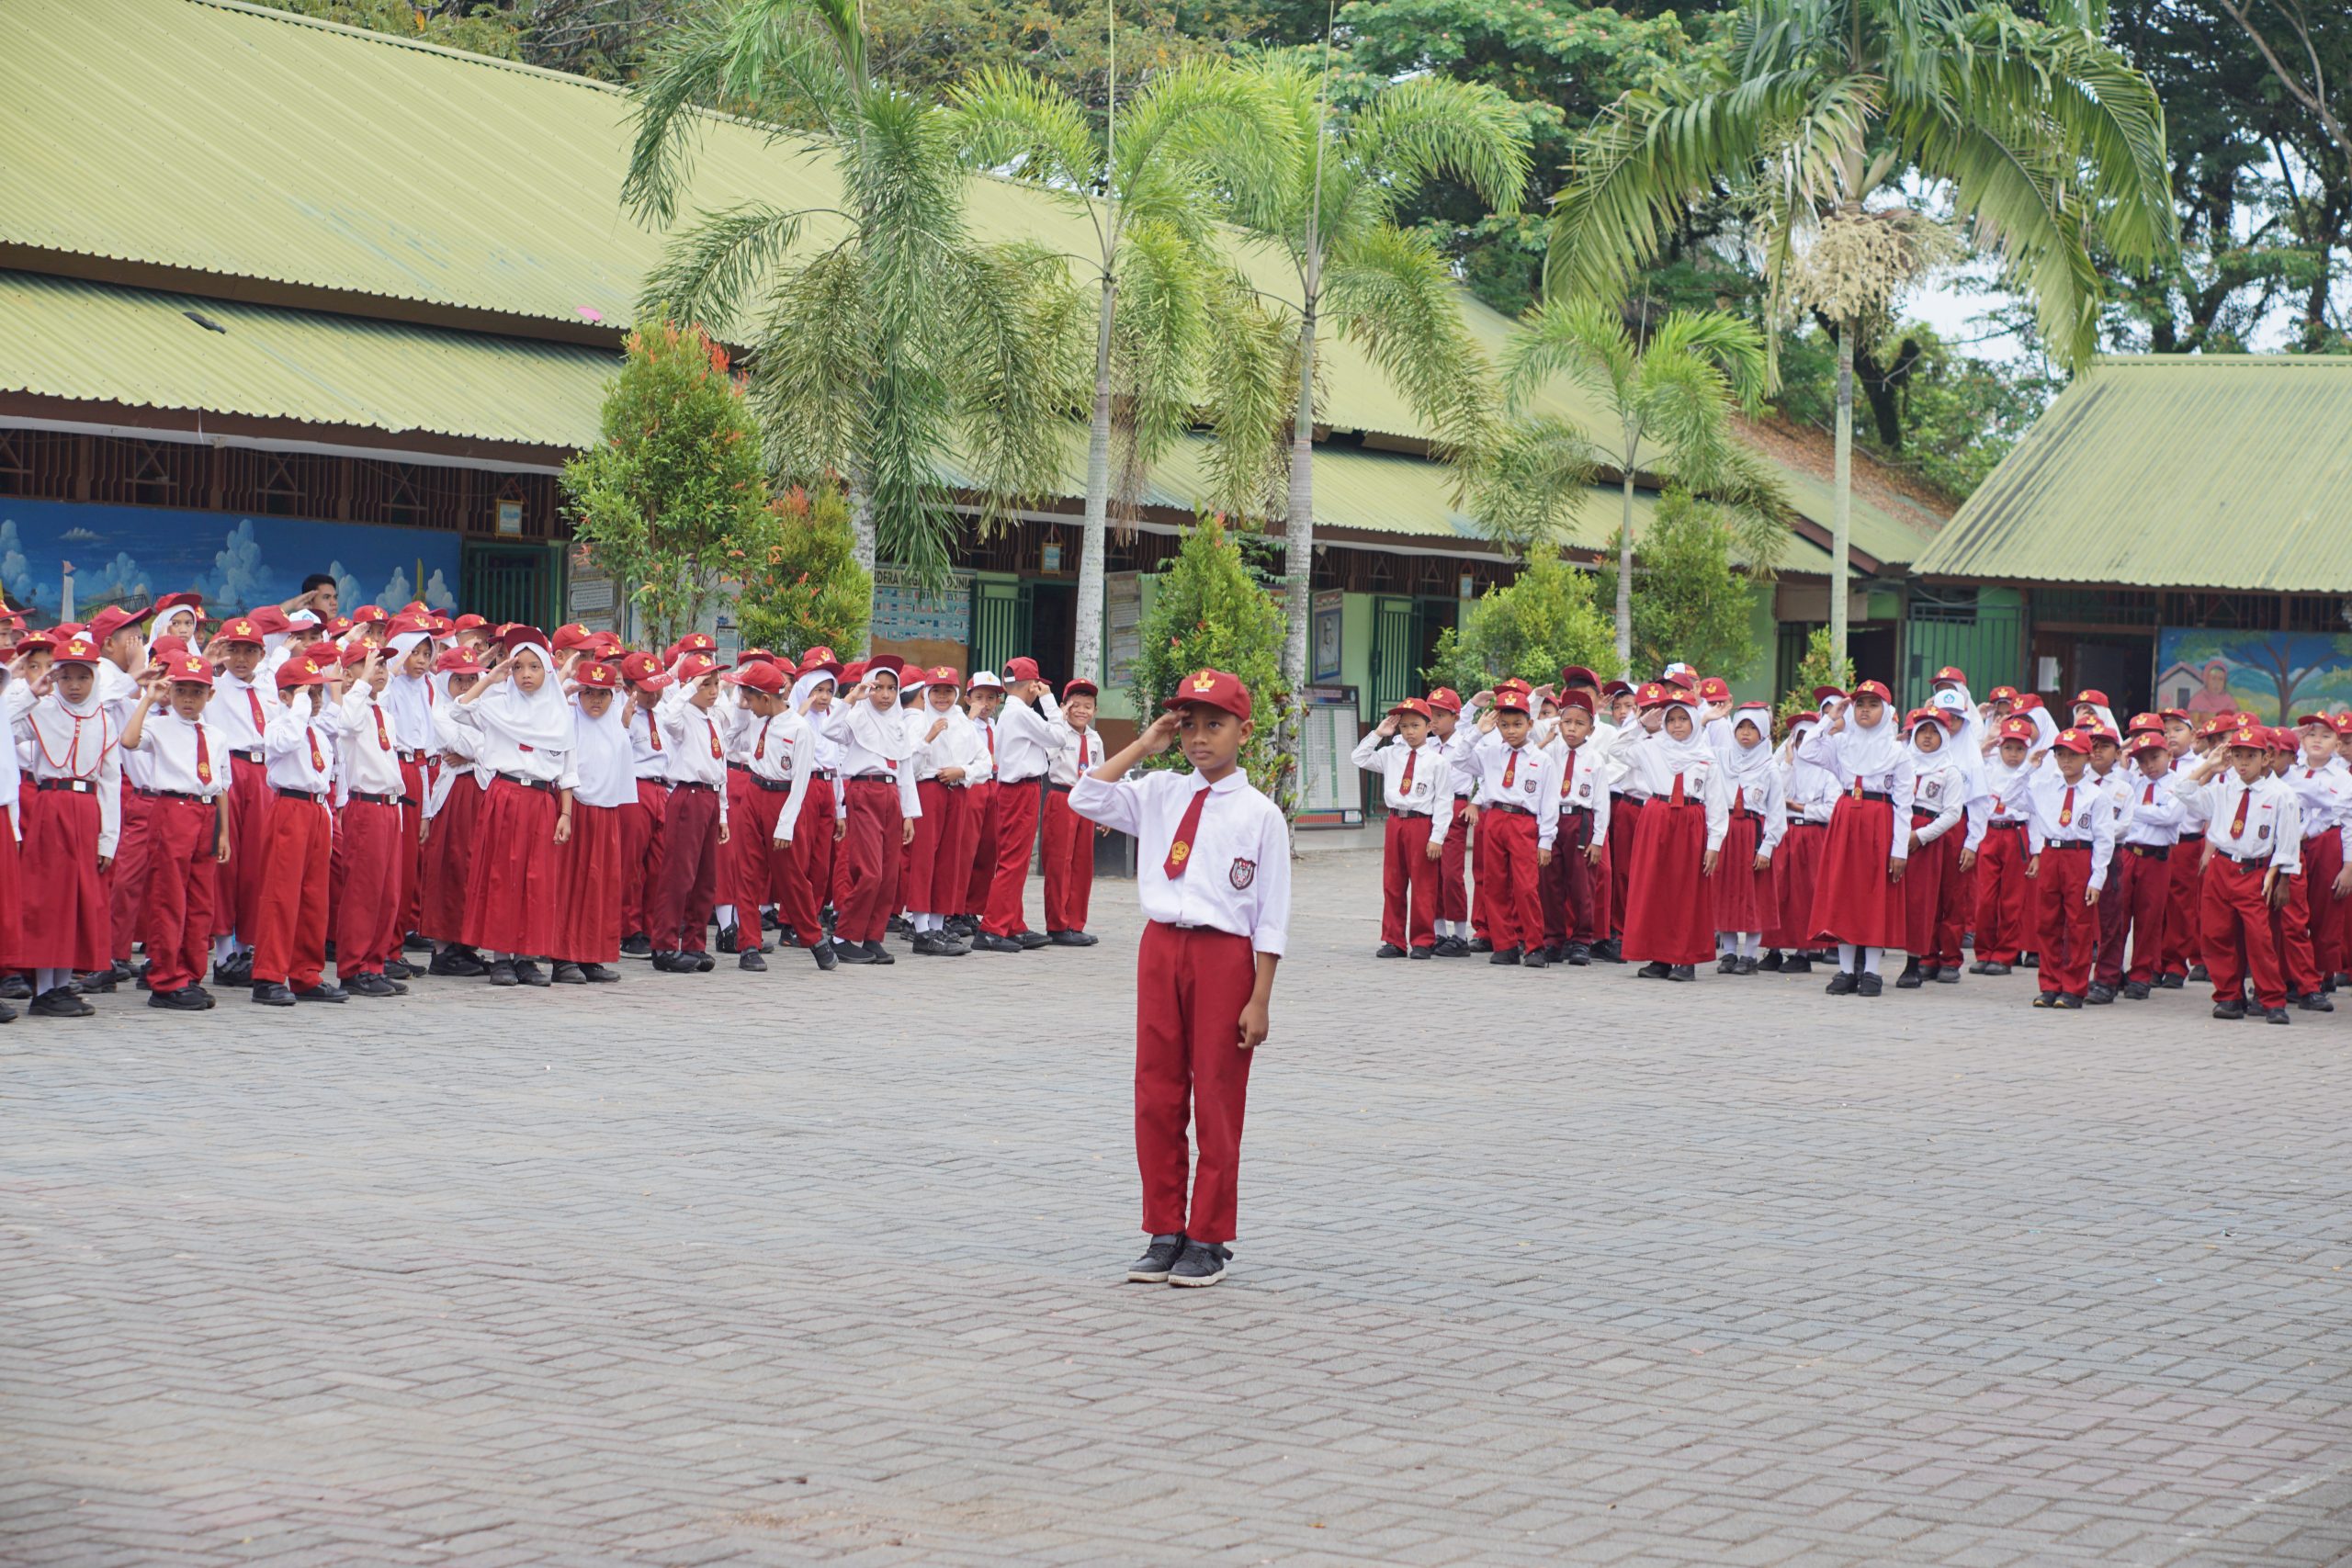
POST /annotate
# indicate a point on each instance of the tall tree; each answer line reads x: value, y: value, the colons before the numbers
x: 1332, y: 209
x: 1146, y: 180
x: 893, y: 349
x: 2047, y: 138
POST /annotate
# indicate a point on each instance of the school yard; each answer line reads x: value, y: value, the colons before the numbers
x: 1536, y: 1268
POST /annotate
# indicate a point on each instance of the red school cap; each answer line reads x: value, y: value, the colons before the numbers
x: 109, y: 620
x: 1576, y: 700
x: 1445, y: 699
x: 597, y: 676
x: 190, y: 670
x: 569, y: 636
x: 2170, y: 715
x: 1020, y: 668
x: 694, y: 667
x: 1873, y: 689
x: 1822, y: 693
x: 2249, y: 738
x: 2018, y: 729
x: 1510, y: 702
x: 185, y: 599
x: 759, y: 675
x: 2003, y: 695
x: 889, y: 664
x: 1417, y: 705
x: 368, y: 614
x: 2096, y: 698
x: 2144, y: 721
x: 638, y: 668
x: 455, y: 662
x: 1577, y: 675
x: 946, y: 675
x: 2074, y: 741
x: 240, y: 629
x: 1080, y: 686
x: 821, y: 658
x: 1615, y: 689
x: 1656, y: 694
x: 305, y: 668
x: 468, y: 623
x: 1209, y: 688
x: 1714, y: 688
x: 1953, y: 674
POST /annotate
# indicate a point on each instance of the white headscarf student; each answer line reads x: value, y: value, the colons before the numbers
x: 410, y: 699
x: 1669, y: 917
x: 1748, y: 780
x: 1857, y: 899
x: 589, y: 884
x: 2104, y: 714
x: 526, y: 730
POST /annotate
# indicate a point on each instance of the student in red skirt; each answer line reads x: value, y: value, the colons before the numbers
x: 1939, y: 794
x: 694, y: 828
x: 452, y: 815
x: 72, y: 824
x: 1747, y: 815
x: 1669, y: 919
x: 1858, y: 893
x: 1808, y: 795
x: 1068, y: 839
x: 518, y: 709
x: 975, y: 844
x: 2002, y: 905
x: 588, y: 870
x: 940, y: 742
x: 880, y: 809
x: 16, y: 793
x: 290, y: 940
x: 243, y: 701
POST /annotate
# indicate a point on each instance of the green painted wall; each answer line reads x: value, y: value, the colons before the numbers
x: 1356, y: 647
x: 1755, y: 681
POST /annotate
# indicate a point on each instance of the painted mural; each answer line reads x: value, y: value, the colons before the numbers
x: 2273, y: 675
x: 63, y: 560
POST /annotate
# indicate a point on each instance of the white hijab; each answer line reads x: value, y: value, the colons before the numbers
x: 602, y: 755
x: 540, y: 719
x: 1678, y: 756
x: 1864, y: 753
x: 406, y: 699
x: 1748, y: 764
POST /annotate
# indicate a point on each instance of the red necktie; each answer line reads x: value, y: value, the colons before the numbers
x: 2067, y: 809
x: 1081, y: 750
x: 203, y: 758
x: 2238, y: 823
x: 383, y: 736
x: 2149, y: 799
x: 653, y: 730
x: 318, y: 762
x: 760, y: 747
x: 1677, y: 791
x: 713, y: 728
x: 253, y: 697
x: 1404, y: 785
x: 1511, y: 767
x: 989, y: 730
x: 1739, y: 800
x: 1180, y: 851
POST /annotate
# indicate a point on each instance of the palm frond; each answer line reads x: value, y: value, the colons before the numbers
x: 685, y: 72
x: 812, y: 357
x: 1017, y: 356
x: 1160, y: 333
x: 1023, y: 124
x: 1250, y: 376
x: 707, y: 273
x: 1583, y: 339
x: 1392, y: 293
x: 1208, y: 125
x: 1537, y: 475
x: 1425, y: 127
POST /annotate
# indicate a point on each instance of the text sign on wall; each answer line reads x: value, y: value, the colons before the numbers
x: 903, y: 613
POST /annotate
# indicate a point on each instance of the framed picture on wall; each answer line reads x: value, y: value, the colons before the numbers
x: 1327, y: 634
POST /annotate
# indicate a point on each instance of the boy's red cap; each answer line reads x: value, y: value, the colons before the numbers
x: 2285, y: 740
x: 455, y: 662
x: 639, y: 667
x: 1683, y: 678
x: 2301, y: 719
x: 186, y: 599
x: 2146, y: 740
x: 749, y: 654
x: 2096, y: 699
x: 1577, y: 675
x: 467, y: 623
x: 1080, y: 686
x: 1445, y: 699
x: 240, y: 629
x: 37, y: 642
x: 569, y: 636
x: 167, y: 648
x: 759, y: 675
x: 2003, y: 695
x: 2343, y: 722
x: 1951, y: 672
x: 108, y: 622
x: 1416, y: 706
x: 1515, y: 683
x: 339, y: 627
x: 597, y: 676
x: 2169, y: 714
x: 697, y: 642
x: 1714, y: 688
x: 1655, y: 693
x: 1509, y: 701
x: 1020, y: 668
x: 368, y: 614
x: 1616, y: 689
x: 1210, y: 688
x: 2018, y: 729
x: 2147, y: 721
x: 1875, y: 689
x: 189, y: 669
x: 1582, y: 700
x: 269, y: 620
x: 305, y: 668
x: 2073, y: 740
x: 2103, y: 732
x: 2250, y: 736
x: 694, y: 667
x: 357, y: 653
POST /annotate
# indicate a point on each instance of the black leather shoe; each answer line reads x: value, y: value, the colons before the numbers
x: 750, y: 962
x: 1609, y: 952
x: 1388, y: 950
x: 459, y: 962
x: 414, y: 942
x: 566, y: 974
x: 2098, y: 996
x: 1869, y: 985
x: 1749, y: 966
x: 1910, y: 978
x: 600, y: 975
x: 2231, y: 1011
x: 272, y: 994
x: 188, y: 1000
x: 1201, y: 1263
x: 2314, y: 1003
x: 1652, y: 970
x: 502, y: 972
x: 2197, y: 973
x: 1452, y: 947
x: 237, y: 969
x: 636, y: 947
x: 2276, y: 1015
x: 59, y: 1002
x: 1480, y: 944
x: 1506, y: 955
x: 877, y: 953
x: 852, y: 953
x: 2045, y: 999
x: 529, y: 973
x: 1728, y: 965
x: 1535, y: 959
x: 1075, y: 939
x: 2071, y: 1002
x: 704, y: 963
x: 96, y: 983
x: 1423, y: 952
x: 1796, y: 963
x: 1841, y: 984
x: 898, y: 925
x: 395, y: 970
x: 323, y: 992
x: 1030, y: 939
x: 1579, y: 954
x: 1157, y: 1258
x: 8, y: 1014
x: 2136, y: 990
x: 1682, y: 971
x: 825, y: 957
x: 2168, y: 983
x: 373, y: 985
x: 1770, y: 963
x: 985, y: 942
x: 1995, y: 968
x: 1947, y: 975
x: 726, y: 942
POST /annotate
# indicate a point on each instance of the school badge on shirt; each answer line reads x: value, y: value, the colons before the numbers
x: 1244, y: 872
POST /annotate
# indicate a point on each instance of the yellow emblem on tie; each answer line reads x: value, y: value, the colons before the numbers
x: 1177, y: 851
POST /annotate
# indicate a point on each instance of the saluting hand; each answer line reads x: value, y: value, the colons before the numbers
x: 938, y: 729
x: 1162, y: 735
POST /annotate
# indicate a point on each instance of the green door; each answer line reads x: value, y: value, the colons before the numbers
x: 999, y: 624
x: 1396, y: 658
x: 510, y: 583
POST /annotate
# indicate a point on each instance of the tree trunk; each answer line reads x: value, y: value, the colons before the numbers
x: 1298, y: 558
x: 1841, y: 510
x: 1088, y: 660
x: 861, y: 523
x: 1625, y: 572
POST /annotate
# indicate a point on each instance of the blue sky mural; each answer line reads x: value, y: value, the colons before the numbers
x: 134, y: 554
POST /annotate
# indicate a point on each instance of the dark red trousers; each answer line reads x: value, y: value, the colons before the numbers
x: 1069, y: 863
x: 290, y: 943
x: 2115, y: 915
x: 2322, y: 858
x: 1452, y: 868
x: 979, y: 816
x: 1016, y: 833
x: 813, y: 844
x: 414, y: 783
x: 1923, y: 888
x: 2291, y: 926
x: 641, y: 851
x: 1958, y: 903
x: 2239, y: 935
x: 1190, y: 985
x: 934, y: 839
x: 183, y: 839
x: 1568, y: 912
x: 368, y: 916
x: 2001, y: 931
x: 772, y: 873
x: 1509, y: 879
x: 2067, y: 927
x: 2185, y: 927
x: 678, y: 907
x: 872, y: 849
x: 2148, y: 891
x: 126, y: 881
x: 236, y: 904
x: 789, y: 884
x: 1625, y: 819
x: 1408, y: 880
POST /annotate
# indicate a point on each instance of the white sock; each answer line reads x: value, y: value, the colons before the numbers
x: 1747, y: 943
x: 724, y: 913
x: 1845, y: 958
x: 1870, y: 959
x: 46, y: 980
x: 222, y: 946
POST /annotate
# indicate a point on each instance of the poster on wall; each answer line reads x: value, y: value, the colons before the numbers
x: 1330, y: 605
x: 65, y: 561
x: 1123, y: 616
x: 2273, y: 675
x: 903, y: 613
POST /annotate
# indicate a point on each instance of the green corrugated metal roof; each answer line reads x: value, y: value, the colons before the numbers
x: 226, y: 140
x: 2229, y: 471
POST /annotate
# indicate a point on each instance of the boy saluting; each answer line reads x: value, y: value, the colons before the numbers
x: 1213, y: 858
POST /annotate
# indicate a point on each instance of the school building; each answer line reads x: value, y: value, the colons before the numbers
x: 278, y: 296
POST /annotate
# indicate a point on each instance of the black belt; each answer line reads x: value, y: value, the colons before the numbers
x: 542, y: 786
x: 739, y: 767
x: 685, y: 784
x: 77, y: 786
x: 1575, y: 811
x: 2017, y: 826
x: 880, y: 778
x: 1416, y: 815
x: 255, y: 757
x: 774, y: 787
x: 1629, y: 798
x: 1921, y: 816
x: 826, y: 774
x: 419, y: 758
x: 1796, y: 822
x: 1878, y: 795
x: 1518, y: 810
x: 2065, y: 843
x: 657, y: 784
x: 2192, y: 838
x: 316, y: 796
x: 2250, y: 862
x: 380, y: 799
x: 1065, y: 789
x: 172, y: 795
x: 1747, y: 816
x: 2150, y: 851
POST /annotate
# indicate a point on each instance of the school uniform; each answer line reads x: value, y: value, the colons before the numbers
x: 979, y: 825
x: 1938, y: 806
x: 1212, y: 874
x: 2002, y: 921
x: 1747, y: 818
x: 587, y: 939
x: 408, y: 701
x: 959, y: 844
x: 2150, y: 830
x: 640, y: 820
x: 1453, y: 864
x: 453, y: 817
x: 525, y: 743
x: 73, y: 818
x: 2184, y: 920
x: 679, y: 905
x: 2070, y: 839
x: 1067, y: 837
x: 1808, y: 797
x: 15, y: 788
x: 2324, y: 795
x: 2115, y: 897
x: 2251, y: 831
x: 1669, y: 914
x: 1854, y: 901
x: 1024, y: 744
x: 779, y: 771
x: 1573, y: 913
x: 369, y: 909
x: 1626, y: 800
x: 1416, y: 791
x: 239, y: 714
x: 817, y: 839
x: 289, y: 947
x: 1516, y: 791
x: 934, y: 882
x: 878, y: 798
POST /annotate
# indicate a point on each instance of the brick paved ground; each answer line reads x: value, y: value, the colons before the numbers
x: 1536, y: 1268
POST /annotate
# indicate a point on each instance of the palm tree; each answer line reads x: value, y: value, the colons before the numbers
x: 2044, y: 135
x: 1146, y: 184
x: 894, y: 350
x: 1672, y: 391
x: 1332, y: 209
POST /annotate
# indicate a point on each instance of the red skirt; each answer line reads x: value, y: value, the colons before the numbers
x: 448, y: 860
x: 1795, y: 863
x: 1744, y: 896
x: 510, y: 886
x: 61, y: 869
x: 1923, y: 876
x: 588, y: 888
x: 12, y: 933
x: 1853, y: 901
x: 1667, y: 916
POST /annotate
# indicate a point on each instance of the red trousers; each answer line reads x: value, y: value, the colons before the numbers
x: 1508, y: 879
x: 2067, y: 927
x: 980, y: 830
x: 414, y: 783
x: 236, y: 903
x: 2148, y: 892
x: 1069, y: 863
x: 1453, y: 878
x: 368, y: 916
x: 1016, y: 831
x: 1923, y: 889
x: 2238, y: 934
x: 2291, y: 926
x: 2001, y: 931
x: 126, y: 881
x: 1408, y: 880
x: 1190, y: 985
x: 872, y: 849
x: 788, y: 882
x: 1624, y: 822
x: 290, y: 943
x: 744, y: 858
x: 2115, y: 915
x: 184, y: 839
x: 2322, y: 858
x: 1568, y: 882
x: 679, y: 901
x: 1958, y: 903
x: 814, y: 846
x: 2185, y: 927
x: 641, y: 851
x: 934, y: 841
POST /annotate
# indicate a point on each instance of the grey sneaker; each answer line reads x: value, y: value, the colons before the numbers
x: 1202, y: 1264
x: 1152, y: 1268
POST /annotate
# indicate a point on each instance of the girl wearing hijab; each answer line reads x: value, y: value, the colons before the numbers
x: 408, y: 702
x: 525, y: 729
x: 1808, y: 794
x: 815, y: 836
x: 1858, y: 896
x: 879, y: 808
x: 1938, y: 796
x: 1964, y: 734
x: 2002, y: 915
x: 1669, y: 920
x: 71, y: 829
x: 588, y: 878
x: 1746, y: 814
x: 452, y: 817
